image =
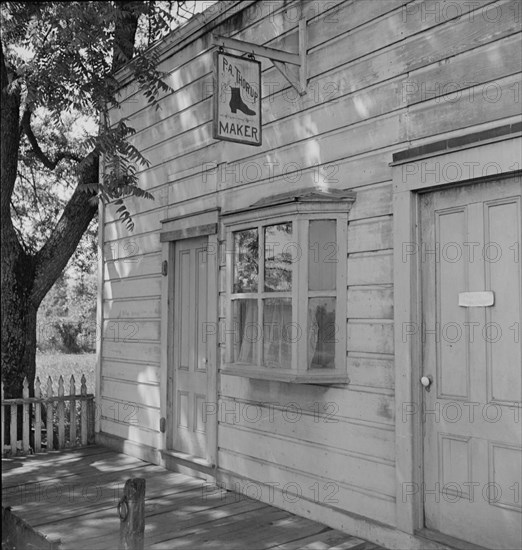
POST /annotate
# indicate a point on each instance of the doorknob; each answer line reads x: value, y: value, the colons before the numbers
x: 426, y: 381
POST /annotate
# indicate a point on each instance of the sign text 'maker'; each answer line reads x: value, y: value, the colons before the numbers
x: 237, y: 99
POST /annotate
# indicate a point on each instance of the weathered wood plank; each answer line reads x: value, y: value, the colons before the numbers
x: 136, y: 266
x: 83, y: 413
x: 320, y: 425
x: 310, y: 459
x: 372, y: 201
x: 371, y: 268
x: 129, y: 412
x: 126, y: 288
x: 132, y: 392
x: 132, y: 432
x: 370, y: 370
x: 49, y: 414
x: 26, y: 417
x: 351, y: 405
x: 72, y: 413
x: 132, y: 308
x: 129, y: 249
x: 371, y: 235
x: 132, y: 351
x: 131, y: 372
x: 489, y: 103
x: 60, y: 413
x: 37, y: 417
x: 370, y: 302
x: 131, y: 330
x: 13, y: 432
x: 372, y: 336
x: 365, y: 503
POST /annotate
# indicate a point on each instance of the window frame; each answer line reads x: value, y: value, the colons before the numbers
x: 299, y: 214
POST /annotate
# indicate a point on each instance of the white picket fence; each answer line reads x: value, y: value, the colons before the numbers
x: 49, y: 421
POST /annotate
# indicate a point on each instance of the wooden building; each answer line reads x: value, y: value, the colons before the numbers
x: 330, y: 321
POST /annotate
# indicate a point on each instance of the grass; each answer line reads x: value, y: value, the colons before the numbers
x: 56, y: 364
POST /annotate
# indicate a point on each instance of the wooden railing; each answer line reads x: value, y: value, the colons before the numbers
x: 48, y: 421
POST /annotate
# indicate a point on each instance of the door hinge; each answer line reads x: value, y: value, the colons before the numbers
x: 163, y: 424
x: 164, y: 267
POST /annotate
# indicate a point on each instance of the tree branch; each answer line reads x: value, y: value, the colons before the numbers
x: 52, y: 258
x: 37, y: 150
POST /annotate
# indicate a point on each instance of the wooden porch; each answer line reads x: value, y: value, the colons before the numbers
x: 72, y: 496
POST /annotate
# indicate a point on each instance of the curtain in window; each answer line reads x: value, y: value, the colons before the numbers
x: 247, y: 331
x: 278, y: 333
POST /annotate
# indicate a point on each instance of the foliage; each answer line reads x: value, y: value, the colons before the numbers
x: 67, y: 315
x: 59, y: 64
x: 62, y: 56
x: 61, y: 364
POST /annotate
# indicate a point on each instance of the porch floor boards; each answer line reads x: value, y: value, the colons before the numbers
x: 72, y: 496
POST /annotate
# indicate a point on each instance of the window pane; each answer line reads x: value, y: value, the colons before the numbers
x: 279, y: 255
x: 246, y: 254
x: 322, y: 255
x: 278, y: 333
x: 321, y: 333
x: 246, y: 331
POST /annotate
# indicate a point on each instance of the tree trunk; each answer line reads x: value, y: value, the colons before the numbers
x: 18, y: 324
x: 26, y: 278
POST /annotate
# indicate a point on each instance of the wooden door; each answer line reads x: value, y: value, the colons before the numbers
x: 472, y: 423
x: 190, y: 348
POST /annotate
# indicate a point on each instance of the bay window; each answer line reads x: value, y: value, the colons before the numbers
x: 286, y: 288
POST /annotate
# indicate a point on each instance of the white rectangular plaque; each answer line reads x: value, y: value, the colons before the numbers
x: 481, y: 298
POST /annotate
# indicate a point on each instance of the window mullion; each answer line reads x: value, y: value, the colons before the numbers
x: 260, y: 290
x: 229, y: 281
x: 300, y: 295
x: 341, y: 287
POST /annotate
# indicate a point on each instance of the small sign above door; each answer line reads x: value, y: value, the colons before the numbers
x: 237, y: 99
x: 483, y: 298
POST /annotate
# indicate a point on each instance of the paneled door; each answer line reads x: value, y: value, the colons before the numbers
x: 190, y: 368
x: 472, y: 362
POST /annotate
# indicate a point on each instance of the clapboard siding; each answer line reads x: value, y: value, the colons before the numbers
x: 371, y: 370
x: 138, y: 265
x: 384, y: 75
x: 132, y: 308
x: 131, y: 432
x: 131, y: 352
x: 296, y: 484
x: 370, y: 303
x: 132, y: 287
x: 129, y: 412
x: 321, y: 424
x: 310, y: 458
x: 370, y: 336
x: 129, y: 330
x: 131, y: 372
x: 370, y: 268
x: 144, y: 394
x: 347, y: 404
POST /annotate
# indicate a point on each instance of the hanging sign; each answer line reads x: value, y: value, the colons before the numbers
x: 237, y: 99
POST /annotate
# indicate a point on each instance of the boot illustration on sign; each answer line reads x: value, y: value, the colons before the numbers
x: 237, y: 103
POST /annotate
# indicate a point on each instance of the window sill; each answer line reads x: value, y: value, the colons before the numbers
x: 286, y: 375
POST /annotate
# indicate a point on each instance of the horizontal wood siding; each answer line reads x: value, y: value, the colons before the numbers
x: 384, y: 75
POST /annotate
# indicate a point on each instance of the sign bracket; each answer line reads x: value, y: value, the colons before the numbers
x: 292, y: 66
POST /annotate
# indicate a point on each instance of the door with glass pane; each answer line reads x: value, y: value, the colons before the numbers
x: 190, y: 369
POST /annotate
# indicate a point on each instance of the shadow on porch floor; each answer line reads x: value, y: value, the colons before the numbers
x: 73, y: 496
